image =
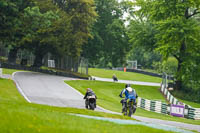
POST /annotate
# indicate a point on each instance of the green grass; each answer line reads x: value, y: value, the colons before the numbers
x: 9, y: 71
x: 181, y: 96
x: 108, y: 92
x: 18, y: 116
x: 108, y: 97
x: 123, y: 75
x: 194, y: 105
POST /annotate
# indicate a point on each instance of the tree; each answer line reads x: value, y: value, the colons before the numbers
x: 92, y: 49
x: 82, y: 15
x: 37, y: 36
x: 178, y: 30
x: 10, y: 24
x: 42, y: 27
x: 142, y: 37
x: 110, y: 42
x: 119, y: 40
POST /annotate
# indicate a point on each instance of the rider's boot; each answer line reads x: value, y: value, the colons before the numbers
x: 125, y: 113
x: 123, y: 107
x: 86, y: 103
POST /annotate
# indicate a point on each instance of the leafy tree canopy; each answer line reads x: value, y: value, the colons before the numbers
x: 110, y: 42
x: 177, y: 32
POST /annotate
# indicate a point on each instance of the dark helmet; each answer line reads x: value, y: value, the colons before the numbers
x: 127, y: 85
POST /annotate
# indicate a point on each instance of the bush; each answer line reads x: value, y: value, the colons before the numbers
x: 158, y: 67
x: 188, y: 95
x: 169, y: 66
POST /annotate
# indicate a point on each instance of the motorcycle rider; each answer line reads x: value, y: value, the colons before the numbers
x: 114, y: 78
x: 89, y: 92
x: 130, y: 93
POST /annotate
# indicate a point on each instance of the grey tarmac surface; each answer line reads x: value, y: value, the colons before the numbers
x: 48, y: 89
x: 127, y: 81
x: 51, y: 90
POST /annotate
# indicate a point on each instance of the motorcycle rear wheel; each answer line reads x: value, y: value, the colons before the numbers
x: 92, y: 106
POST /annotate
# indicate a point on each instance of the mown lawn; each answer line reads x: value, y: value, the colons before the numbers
x: 195, y: 105
x: 108, y: 97
x: 9, y: 71
x: 108, y: 92
x: 18, y: 116
x: 103, y: 73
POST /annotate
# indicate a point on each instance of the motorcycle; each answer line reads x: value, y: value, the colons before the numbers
x: 115, y: 78
x: 91, y: 102
x: 128, y: 106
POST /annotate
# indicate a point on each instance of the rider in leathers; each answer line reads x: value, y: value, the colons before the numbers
x: 89, y: 92
x: 130, y: 93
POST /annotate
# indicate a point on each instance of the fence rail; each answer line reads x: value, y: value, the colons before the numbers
x: 154, y: 106
x: 192, y: 113
x: 164, y: 108
x: 26, y: 59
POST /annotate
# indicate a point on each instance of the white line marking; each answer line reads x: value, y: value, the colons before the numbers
x: 72, y: 87
x: 19, y: 89
x: 108, y: 111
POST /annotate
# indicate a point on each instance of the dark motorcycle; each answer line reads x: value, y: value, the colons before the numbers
x: 91, y: 102
x: 128, y: 107
x: 115, y: 78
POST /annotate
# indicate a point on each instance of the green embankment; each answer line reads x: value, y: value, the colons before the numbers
x: 9, y: 94
x: 108, y: 92
x: 103, y: 73
x: 9, y: 71
x: 108, y: 97
x: 18, y: 116
x: 132, y: 76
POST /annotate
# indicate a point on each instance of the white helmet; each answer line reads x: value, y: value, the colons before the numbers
x: 129, y: 89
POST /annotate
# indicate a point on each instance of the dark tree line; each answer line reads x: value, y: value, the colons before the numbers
x: 42, y: 26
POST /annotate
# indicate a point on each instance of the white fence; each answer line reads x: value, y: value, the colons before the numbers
x: 154, y: 106
x: 191, y: 113
x: 164, y: 108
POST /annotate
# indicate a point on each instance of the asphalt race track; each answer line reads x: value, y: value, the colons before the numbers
x: 51, y: 90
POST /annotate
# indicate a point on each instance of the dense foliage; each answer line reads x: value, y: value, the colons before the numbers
x: 109, y: 45
x: 171, y: 28
x: 45, y: 26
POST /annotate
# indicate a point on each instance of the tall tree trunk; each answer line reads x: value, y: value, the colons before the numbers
x: 12, y: 56
x: 38, y: 58
x: 179, y: 77
x: 38, y: 61
x: 179, y: 80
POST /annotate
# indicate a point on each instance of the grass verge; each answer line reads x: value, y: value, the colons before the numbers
x: 108, y: 97
x: 9, y: 71
x: 18, y: 116
x: 123, y: 75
